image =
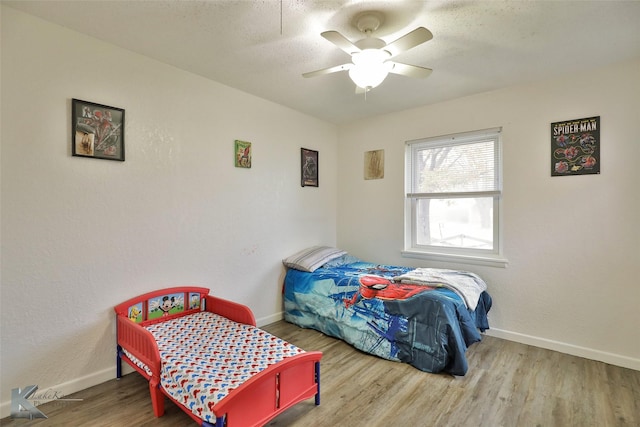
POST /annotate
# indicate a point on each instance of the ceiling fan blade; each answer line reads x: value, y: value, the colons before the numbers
x: 408, y: 41
x: 329, y: 70
x: 341, y: 41
x: 409, y: 70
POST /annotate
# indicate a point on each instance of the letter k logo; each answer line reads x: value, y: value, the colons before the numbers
x: 21, y: 407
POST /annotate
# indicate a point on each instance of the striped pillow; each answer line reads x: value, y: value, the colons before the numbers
x: 312, y: 258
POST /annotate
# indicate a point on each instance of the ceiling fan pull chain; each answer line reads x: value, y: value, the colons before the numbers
x: 280, y: 17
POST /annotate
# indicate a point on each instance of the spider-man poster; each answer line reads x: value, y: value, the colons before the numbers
x: 575, y: 147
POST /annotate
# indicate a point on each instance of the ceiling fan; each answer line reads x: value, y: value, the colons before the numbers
x: 371, y: 57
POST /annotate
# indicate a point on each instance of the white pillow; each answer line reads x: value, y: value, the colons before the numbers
x: 312, y: 258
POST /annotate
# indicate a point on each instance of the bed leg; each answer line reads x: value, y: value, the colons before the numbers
x: 318, y: 383
x: 157, y: 399
x: 118, y: 363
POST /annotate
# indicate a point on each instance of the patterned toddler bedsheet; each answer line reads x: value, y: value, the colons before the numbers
x: 205, y: 356
x: 139, y: 363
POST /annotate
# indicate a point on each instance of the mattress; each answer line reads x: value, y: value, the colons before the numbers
x: 205, y: 356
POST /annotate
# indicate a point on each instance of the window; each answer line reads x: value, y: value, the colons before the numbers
x: 453, y: 198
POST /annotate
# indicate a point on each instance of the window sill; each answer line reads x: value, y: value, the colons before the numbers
x: 489, y: 261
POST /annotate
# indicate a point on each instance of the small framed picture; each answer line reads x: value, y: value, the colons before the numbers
x: 374, y: 164
x: 98, y: 130
x: 309, y: 162
x: 243, y: 154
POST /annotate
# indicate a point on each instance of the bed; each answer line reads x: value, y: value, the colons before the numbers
x: 425, y: 317
x: 207, y: 355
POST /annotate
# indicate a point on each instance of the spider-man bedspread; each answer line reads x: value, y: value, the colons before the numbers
x: 420, y: 317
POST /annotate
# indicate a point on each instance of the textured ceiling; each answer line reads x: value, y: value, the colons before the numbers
x: 263, y: 47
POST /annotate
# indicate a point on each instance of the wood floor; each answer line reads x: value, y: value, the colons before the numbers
x: 508, y: 384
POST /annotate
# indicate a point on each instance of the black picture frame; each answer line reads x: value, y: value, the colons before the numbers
x: 309, y: 167
x: 97, y: 130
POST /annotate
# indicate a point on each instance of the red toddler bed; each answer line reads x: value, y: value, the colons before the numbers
x: 207, y: 355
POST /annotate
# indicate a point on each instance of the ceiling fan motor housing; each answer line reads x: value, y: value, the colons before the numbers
x: 370, y: 43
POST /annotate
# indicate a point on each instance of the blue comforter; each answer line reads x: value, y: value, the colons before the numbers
x: 356, y: 301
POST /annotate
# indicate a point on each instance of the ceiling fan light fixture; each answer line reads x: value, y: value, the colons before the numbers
x: 369, y: 69
x: 371, y: 56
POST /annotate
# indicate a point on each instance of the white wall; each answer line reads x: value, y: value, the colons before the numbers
x: 573, y: 243
x: 81, y: 235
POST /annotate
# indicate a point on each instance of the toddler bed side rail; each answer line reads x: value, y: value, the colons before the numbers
x: 231, y: 310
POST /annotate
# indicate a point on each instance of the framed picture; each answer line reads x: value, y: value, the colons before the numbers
x: 575, y: 147
x: 309, y: 162
x: 98, y: 130
x: 243, y: 154
x: 374, y: 164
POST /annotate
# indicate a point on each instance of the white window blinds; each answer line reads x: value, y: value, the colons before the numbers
x: 455, y: 166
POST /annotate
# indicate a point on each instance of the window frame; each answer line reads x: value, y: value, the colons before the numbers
x: 490, y: 257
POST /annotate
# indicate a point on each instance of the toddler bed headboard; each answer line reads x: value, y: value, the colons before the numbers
x: 169, y: 303
x: 163, y: 304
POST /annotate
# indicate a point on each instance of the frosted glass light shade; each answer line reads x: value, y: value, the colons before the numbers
x: 369, y: 68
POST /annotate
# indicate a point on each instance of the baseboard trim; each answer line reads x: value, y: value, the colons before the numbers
x: 574, y: 350
x: 263, y: 321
